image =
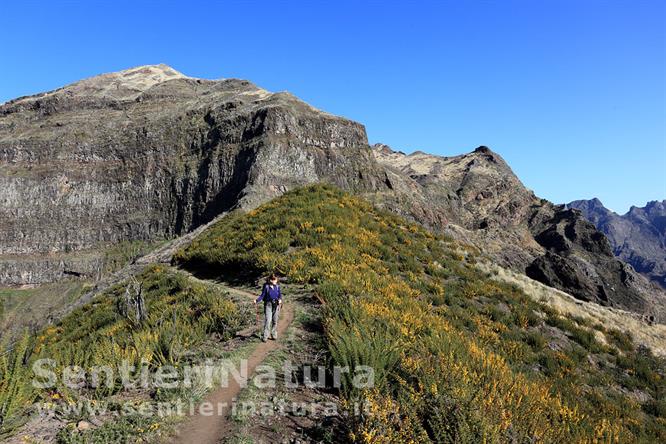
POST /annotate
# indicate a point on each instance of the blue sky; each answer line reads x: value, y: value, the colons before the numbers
x: 571, y: 93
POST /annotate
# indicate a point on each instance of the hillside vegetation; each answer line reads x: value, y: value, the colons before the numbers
x: 35, y: 306
x: 179, y: 316
x: 458, y: 356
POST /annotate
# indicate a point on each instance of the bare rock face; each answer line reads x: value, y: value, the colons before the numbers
x: 149, y: 153
x: 579, y: 258
x: 478, y: 199
x: 638, y: 237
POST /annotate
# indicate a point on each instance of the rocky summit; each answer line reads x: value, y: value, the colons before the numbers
x: 149, y: 153
x: 637, y: 237
x: 477, y: 199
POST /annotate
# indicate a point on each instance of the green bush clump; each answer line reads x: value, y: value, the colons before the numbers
x: 535, y: 340
x: 622, y: 340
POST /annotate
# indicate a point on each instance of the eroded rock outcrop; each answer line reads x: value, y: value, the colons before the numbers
x: 579, y: 259
x: 484, y: 203
x: 637, y: 237
x: 149, y: 153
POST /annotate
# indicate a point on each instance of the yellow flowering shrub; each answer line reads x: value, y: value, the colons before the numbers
x: 180, y: 313
x: 458, y: 357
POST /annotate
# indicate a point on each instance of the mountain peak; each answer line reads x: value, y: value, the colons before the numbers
x: 638, y: 236
x: 596, y: 204
x: 160, y: 71
x: 126, y: 83
x: 588, y: 206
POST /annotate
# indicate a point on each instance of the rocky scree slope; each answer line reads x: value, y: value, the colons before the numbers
x: 637, y: 237
x: 149, y: 153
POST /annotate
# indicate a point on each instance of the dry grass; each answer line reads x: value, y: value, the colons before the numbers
x: 652, y: 336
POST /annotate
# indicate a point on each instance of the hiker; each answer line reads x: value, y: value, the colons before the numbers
x: 272, y: 297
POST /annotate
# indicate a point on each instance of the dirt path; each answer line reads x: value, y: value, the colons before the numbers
x: 203, y: 429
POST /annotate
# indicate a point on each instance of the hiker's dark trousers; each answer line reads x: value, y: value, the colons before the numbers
x: 271, y: 315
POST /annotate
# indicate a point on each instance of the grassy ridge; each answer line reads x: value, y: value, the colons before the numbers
x: 458, y: 357
x: 181, y: 314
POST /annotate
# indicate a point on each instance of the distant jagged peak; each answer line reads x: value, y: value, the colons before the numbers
x: 655, y: 205
x: 587, y: 205
x: 653, y: 209
x: 383, y: 149
x: 595, y: 205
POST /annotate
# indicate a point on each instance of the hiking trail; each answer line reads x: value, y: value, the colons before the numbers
x: 203, y: 429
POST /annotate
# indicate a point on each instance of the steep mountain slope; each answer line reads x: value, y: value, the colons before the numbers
x: 484, y: 203
x: 149, y: 153
x: 457, y: 356
x: 638, y: 237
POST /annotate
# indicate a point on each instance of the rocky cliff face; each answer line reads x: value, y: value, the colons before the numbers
x: 478, y: 199
x: 638, y: 237
x: 473, y: 196
x: 149, y: 153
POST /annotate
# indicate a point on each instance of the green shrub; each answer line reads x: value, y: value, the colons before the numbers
x: 535, y: 340
x: 16, y: 392
x: 623, y: 341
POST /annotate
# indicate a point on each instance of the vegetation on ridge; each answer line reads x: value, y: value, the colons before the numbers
x: 458, y: 357
x: 180, y: 316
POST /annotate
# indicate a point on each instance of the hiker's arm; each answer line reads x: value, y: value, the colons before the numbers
x: 279, y: 295
x: 262, y: 295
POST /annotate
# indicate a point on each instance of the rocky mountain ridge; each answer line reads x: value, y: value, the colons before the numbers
x: 479, y: 200
x: 149, y: 153
x: 637, y: 237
